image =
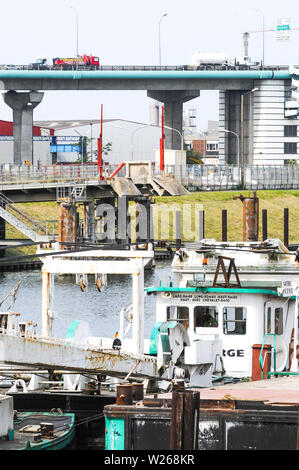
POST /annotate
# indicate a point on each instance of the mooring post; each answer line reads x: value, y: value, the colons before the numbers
x: 184, y: 420
x: 137, y: 221
x: 88, y: 220
x: 265, y: 224
x: 122, y: 209
x: 286, y: 227
x: 201, y: 225
x: 224, y: 225
x: 128, y: 224
x: 2, y: 227
x: 150, y: 221
x: 250, y: 217
x: 178, y: 230
x: 141, y: 222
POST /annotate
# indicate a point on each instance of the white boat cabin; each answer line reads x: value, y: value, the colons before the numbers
x: 237, y: 316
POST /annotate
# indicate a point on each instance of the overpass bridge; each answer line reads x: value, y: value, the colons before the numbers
x: 137, y: 79
x: 24, y: 89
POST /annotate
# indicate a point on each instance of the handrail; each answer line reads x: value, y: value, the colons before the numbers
x: 5, y: 202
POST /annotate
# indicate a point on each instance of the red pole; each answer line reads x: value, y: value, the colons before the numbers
x: 100, y: 147
x: 116, y: 171
x: 162, y: 142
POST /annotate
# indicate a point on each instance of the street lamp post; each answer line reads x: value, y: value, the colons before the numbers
x: 81, y: 140
x: 182, y: 143
x: 77, y: 30
x: 132, y: 136
x: 180, y: 134
x: 242, y: 133
x: 91, y: 150
x: 238, y: 140
x: 165, y: 14
x: 257, y: 9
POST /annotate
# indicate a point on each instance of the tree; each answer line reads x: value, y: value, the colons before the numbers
x: 87, y: 154
x: 291, y: 162
x: 106, y: 149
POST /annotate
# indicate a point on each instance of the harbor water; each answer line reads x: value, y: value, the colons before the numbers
x: 100, y: 309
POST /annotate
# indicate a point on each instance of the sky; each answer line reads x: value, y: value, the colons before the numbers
x: 127, y: 33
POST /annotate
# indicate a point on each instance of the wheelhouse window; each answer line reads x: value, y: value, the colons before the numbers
x: 234, y: 320
x: 268, y: 321
x: 274, y: 321
x: 179, y: 314
x: 206, y: 317
x: 278, y: 321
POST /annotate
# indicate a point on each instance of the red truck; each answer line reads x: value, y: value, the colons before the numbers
x: 66, y: 63
x: 84, y: 61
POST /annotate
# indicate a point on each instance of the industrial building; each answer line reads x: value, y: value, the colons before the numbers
x: 129, y: 141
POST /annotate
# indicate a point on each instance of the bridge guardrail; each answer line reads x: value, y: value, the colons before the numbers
x: 224, y: 177
x: 193, y: 177
x: 148, y: 67
x: 13, y: 174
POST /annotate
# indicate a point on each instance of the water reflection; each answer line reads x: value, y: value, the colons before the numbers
x: 100, y: 309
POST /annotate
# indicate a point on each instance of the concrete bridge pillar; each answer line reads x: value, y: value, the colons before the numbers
x: 238, y: 119
x: 173, y: 107
x: 22, y: 105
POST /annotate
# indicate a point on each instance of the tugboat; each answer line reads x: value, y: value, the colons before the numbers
x: 235, y: 313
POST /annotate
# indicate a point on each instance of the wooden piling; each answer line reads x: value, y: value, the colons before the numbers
x: 201, y: 225
x: 264, y: 224
x: 67, y: 222
x: 286, y: 227
x: 224, y: 225
x: 178, y: 230
x: 184, y: 420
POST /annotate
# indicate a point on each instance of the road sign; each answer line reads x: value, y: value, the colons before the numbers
x: 289, y: 288
x: 65, y: 148
x: 283, y: 29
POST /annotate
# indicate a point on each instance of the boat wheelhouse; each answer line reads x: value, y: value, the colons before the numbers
x: 235, y: 317
x: 249, y: 311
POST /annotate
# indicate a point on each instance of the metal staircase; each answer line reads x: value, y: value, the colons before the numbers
x: 36, y: 231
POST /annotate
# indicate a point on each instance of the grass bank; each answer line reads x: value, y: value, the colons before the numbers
x: 214, y: 202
